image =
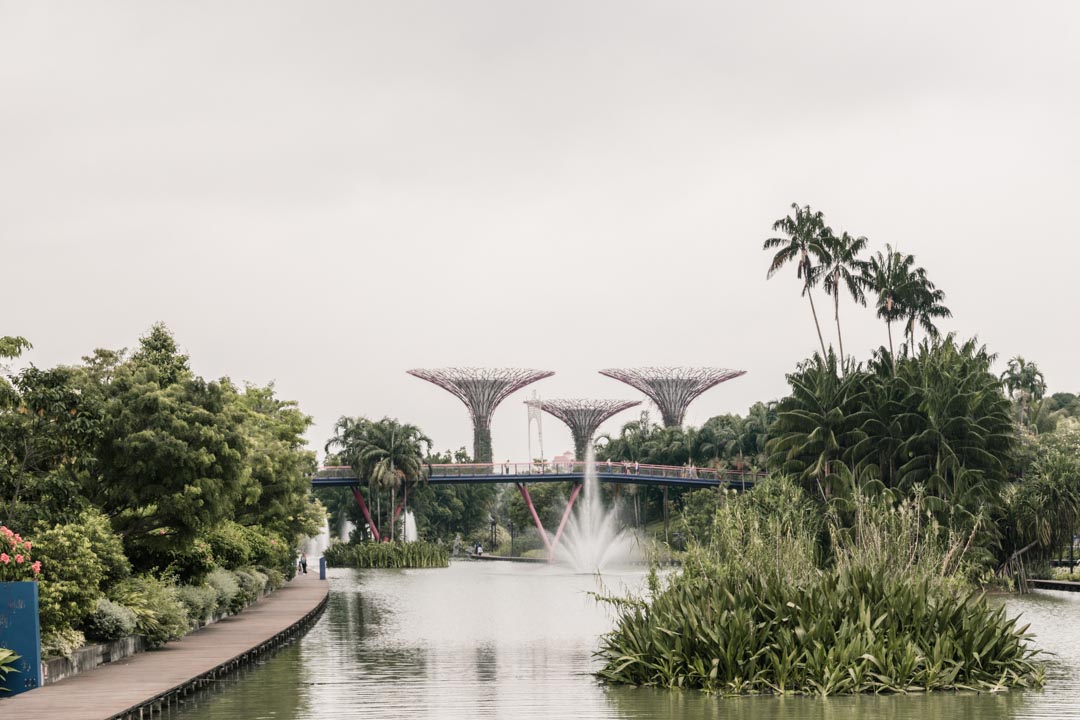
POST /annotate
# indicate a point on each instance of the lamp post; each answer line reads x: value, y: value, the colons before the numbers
x: 492, y: 533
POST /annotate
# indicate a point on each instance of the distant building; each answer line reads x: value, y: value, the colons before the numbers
x: 566, y: 457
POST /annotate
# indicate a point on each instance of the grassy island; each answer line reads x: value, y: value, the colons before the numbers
x: 780, y: 601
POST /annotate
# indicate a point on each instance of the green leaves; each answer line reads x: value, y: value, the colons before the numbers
x: 388, y: 555
x: 725, y: 635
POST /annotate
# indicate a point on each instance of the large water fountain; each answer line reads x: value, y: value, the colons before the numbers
x: 594, y: 537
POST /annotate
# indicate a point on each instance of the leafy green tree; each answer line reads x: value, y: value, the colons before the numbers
x: 804, y: 242
x: 49, y: 429
x: 275, y: 491
x: 1040, y: 514
x: 157, y: 349
x: 444, y: 511
x: 1068, y: 403
x: 171, y: 458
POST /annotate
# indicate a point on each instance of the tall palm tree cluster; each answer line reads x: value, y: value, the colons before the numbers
x: 933, y: 424
x: 387, y: 454
x: 900, y: 291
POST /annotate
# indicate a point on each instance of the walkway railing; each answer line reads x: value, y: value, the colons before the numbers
x: 519, y: 470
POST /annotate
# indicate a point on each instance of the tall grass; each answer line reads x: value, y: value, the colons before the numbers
x: 783, y: 601
x: 388, y: 555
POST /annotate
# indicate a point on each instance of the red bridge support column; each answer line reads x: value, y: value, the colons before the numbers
x: 562, y: 523
x: 364, y: 510
x: 536, y: 518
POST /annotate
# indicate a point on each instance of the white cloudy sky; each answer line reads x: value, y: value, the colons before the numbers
x: 325, y: 194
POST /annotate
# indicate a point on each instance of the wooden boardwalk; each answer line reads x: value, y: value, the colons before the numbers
x: 116, y: 688
x: 1067, y: 585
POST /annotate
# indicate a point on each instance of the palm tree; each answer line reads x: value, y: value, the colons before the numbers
x: 1024, y: 383
x: 393, y: 456
x: 844, y: 271
x: 922, y: 304
x: 817, y: 425
x: 388, y: 454
x: 759, y: 420
x: 805, y: 243
x: 887, y: 276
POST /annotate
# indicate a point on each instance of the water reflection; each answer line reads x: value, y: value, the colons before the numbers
x: 494, y: 640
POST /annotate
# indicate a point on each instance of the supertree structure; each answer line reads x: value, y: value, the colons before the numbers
x: 481, y: 389
x: 672, y: 388
x: 583, y: 417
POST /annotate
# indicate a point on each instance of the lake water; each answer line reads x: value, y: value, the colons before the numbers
x: 504, y: 640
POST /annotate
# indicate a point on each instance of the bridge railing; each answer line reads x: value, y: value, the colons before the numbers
x: 603, y: 467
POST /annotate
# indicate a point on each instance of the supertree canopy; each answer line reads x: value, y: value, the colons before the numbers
x: 583, y: 417
x: 672, y: 388
x: 481, y: 389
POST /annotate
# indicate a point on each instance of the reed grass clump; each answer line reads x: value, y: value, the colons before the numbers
x: 388, y: 555
x: 852, y: 630
x: 779, y: 602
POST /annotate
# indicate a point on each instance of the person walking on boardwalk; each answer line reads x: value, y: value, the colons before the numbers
x: 303, y: 562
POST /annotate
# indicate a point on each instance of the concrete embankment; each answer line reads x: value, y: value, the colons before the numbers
x: 141, y: 684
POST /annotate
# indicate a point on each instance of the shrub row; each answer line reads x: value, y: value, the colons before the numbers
x: 388, y: 555
x: 161, y: 611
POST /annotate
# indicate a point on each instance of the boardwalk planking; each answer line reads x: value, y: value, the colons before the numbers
x: 113, y: 688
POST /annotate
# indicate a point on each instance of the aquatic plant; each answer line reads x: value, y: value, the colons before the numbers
x: 883, y: 607
x: 388, y: 555
x: 850, y: 630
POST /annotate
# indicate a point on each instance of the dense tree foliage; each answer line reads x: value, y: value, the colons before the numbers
x: 134, y: 463
x: 939, y: 428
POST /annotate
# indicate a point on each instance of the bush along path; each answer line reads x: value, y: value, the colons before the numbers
x: 163, y: 676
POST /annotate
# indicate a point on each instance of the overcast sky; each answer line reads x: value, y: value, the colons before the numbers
x: 326, y: 194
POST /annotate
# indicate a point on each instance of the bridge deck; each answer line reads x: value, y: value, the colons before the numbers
x: 620, y: 473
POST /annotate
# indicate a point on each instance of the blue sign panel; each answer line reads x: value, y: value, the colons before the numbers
x: 20, y: 633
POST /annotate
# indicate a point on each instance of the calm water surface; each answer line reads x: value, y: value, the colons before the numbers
x: 502, y: 640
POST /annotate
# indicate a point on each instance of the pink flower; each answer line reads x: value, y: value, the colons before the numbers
x: 18, y: 538
x: 4, y: 558
x: 18, y: 559
x: 37, y: 567
x: 28, y: 545
x: 4, y: 530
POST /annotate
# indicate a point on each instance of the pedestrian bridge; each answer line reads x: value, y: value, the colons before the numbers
x: 516, y: 473
x: 524, y: 474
